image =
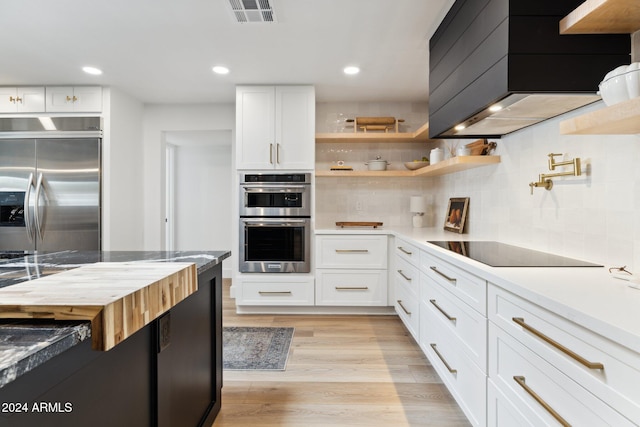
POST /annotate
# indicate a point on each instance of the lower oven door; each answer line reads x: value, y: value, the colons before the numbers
x: 275, y: 245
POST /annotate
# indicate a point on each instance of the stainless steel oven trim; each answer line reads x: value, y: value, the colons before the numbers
x: 275, y: 266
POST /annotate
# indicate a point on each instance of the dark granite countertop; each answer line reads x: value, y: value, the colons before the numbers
x: 25, y: 344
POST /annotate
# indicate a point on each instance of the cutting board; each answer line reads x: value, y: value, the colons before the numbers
x: 118, y: 298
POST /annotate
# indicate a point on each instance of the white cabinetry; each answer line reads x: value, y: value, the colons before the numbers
x: 275, y: 290
x: 453, y: 332
x: 406, y: 276
x: 21, y: 99
x: 68, y: 99
x: 549, y: 369
x: 351, y: 270
x: 275, y: 127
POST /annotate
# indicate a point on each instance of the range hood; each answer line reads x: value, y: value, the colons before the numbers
x: 497, y: 66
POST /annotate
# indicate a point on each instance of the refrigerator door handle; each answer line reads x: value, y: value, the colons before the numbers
x: 36, y: 208
x: 27, y: 214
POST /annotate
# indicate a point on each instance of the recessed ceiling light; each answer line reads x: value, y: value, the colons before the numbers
x: 219, y: 69
x: 351, y: 70
x: 92, y: 70
x: 495, y: 108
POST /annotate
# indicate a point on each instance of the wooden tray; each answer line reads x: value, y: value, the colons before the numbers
x: 359, y: 224
x: 118, y: 298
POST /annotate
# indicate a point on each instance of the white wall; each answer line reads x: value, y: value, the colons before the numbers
x: 592, y: 217
x: 159, y: 119
x: 122, y: 184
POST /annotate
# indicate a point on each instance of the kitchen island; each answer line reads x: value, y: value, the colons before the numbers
x: 167, y: 373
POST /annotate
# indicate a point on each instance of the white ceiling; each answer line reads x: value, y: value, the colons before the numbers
x: 162, y: 51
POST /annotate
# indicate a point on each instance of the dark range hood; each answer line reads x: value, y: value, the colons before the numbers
x: 509, y: 53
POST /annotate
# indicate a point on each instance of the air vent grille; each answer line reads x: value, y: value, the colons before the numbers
x: 250, y: 11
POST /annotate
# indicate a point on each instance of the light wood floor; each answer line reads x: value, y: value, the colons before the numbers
x: 342, y: 371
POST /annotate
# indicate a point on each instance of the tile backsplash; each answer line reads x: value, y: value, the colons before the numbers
x: 593, y: 216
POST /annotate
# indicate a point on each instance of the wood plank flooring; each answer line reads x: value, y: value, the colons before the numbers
x: 342, y: 371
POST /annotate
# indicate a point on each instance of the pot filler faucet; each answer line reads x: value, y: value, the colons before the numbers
x: 544, y: 179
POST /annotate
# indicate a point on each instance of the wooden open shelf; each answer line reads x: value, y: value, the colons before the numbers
x: 421, y: 135
x: 604, y: 17
x: 619, y: 119
x: 455, y: 164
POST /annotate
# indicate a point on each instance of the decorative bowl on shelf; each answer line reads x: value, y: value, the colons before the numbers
x: 415, y: 165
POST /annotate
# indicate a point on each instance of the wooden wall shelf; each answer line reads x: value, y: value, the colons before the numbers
x: 455, y: 164
x: 421, y: 135
x: 619, y: 119
x: 603, y: 17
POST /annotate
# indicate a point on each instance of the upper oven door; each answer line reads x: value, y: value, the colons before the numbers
x: 258, y: 199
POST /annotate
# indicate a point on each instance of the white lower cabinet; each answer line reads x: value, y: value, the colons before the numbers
x: 543, y: 394
x: 583, y: 377
x: 351, y: 270
x: 275, y: 290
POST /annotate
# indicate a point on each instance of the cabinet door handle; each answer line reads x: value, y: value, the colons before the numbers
x: 274, y: 292
x: 453, y: 371
x: 404, y: 250
x: 452, y: 280
x: 408, y: 279
x: 403, y: 308
x: 278, y: 153
x: 352, y: 288
x: 591, y: 365
x: 435, y: 304
x: 12, y: 99
x: 521, y: 382
x: 271, y: 153
x: 18, y: 99
x: 352, y: 251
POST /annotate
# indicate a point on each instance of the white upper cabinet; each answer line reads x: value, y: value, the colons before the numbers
x: 21, y: 99
x: 69, y: 99
x: 275, y: 127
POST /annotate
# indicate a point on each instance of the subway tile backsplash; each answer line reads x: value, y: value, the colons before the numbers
x: 593, y: 216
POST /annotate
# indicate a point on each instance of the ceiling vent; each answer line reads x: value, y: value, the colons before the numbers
x: 248, y: 11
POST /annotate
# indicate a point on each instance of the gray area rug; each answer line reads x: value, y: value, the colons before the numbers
x: 255, y: 348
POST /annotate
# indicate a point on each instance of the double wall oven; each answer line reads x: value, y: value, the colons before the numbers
x: 275, y: 222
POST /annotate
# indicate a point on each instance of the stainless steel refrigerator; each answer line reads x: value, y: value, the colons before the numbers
x: 50, y: 179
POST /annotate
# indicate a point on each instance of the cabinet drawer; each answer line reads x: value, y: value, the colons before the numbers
x: 351, y: 251
x: 351, y: 287
x: 469, y: 288
x: 540, y: 391
x: 464, y: 379
x: 457, y: 319
x: 407, y: 251
x: 407, y: 275
x: 408, y: 306
x: 502, y: 413
x: 267, y: 292
x: 616, y: 383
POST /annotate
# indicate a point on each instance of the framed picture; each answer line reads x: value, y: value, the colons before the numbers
x: 456, y: 214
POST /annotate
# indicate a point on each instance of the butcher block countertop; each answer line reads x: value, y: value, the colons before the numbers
x: 118, y: 298
x: 52, y: 302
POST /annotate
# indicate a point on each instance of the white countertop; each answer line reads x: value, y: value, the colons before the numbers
x: 588, y: 296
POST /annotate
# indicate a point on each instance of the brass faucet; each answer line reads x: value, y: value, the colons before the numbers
x: 544, y: 179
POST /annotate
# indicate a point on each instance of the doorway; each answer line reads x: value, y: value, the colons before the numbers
x: 198, y: 214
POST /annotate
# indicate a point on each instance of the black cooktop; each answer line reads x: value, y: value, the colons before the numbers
x: 498, y: 254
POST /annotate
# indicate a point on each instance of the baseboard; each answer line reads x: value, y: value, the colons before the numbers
x: 256, y: 309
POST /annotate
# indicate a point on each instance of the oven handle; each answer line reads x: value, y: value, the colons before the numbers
x: 279, y: 188
x: 273, y: 221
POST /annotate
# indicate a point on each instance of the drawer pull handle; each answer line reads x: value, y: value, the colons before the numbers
x: 432, y: 301
x: 453, y: 371
x: 405, y: 251
x: 408, y: 279
x: 352, y: 251
x: 521, y: 382
x: 443, y: 275
x: 591, y: 365
x: 402, y: 306
x: 274, y: 292
x: 352, y: 288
